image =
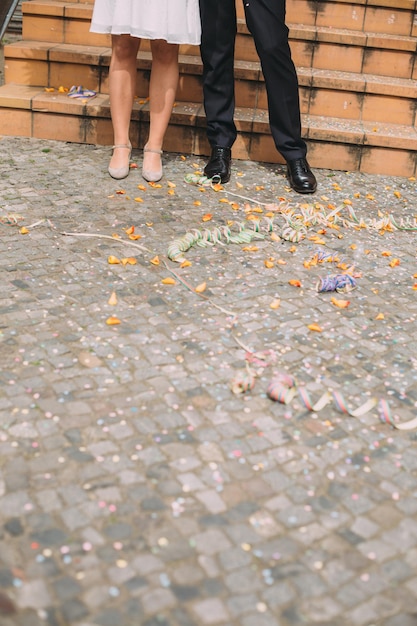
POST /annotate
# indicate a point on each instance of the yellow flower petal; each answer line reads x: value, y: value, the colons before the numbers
x: 275, y: 304
x: 168, y: 281
x: 200, y: 288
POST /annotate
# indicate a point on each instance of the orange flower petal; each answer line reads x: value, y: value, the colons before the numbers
x: 341, y: 304
x: 23, y: 231
x: 168, y: 281
x: 394, y: 262
x: 186, y: 263
x: 294, y: 282
x: 315, y: 327
x: 207, y: 217
x: 130, y: 230
x: 268, y: 263
x: 112, y: 320
x: 113, y: 260
x: 380, y: 316
x: 155, y: 260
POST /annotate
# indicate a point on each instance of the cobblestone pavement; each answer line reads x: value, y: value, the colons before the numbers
x: 136, y: 489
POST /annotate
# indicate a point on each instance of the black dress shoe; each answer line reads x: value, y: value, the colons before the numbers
x: 219, y: 164
x: 300, y: 176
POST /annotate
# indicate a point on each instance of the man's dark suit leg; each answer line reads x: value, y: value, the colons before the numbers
x: 218, y: 19
x: 266, y: 21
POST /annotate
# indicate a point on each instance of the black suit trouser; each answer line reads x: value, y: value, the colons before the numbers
x: 266, y: 22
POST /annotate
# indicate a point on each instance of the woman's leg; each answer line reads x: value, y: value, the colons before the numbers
x: 162, y: 91
x: 122, y: 85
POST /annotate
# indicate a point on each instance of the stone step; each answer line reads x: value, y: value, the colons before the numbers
x: 333, y: 143
x: 374, y: 16
x: 322, y: 41
x: 347, y: 95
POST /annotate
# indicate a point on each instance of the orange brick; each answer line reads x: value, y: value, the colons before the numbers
x: 388, y: 162
x: 389, y: 20
x: 58, y: 127
x: 330, y: 103
x: 334, y: 156
x: 16, y: 122
x: 337, y: 57
x: 388, y: 63
x: 340, y: 15
x: 43, y: 28
x: 379, y: 108
x: 26, y: 72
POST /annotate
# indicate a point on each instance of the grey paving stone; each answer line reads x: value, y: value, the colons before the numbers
x: 135, y: 487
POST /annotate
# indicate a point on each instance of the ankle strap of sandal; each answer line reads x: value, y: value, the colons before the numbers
x: 122, y: 145
x: 145, y: 149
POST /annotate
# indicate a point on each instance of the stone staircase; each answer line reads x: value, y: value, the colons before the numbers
x: 356, y: 62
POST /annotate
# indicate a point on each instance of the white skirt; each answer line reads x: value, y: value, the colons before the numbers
x: 175, y: 21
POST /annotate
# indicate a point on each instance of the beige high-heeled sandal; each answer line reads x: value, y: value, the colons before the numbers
x: 152, y: 176
x: 121, y: 172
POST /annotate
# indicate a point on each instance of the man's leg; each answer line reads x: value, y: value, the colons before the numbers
x: 266, y: 21
x: 218, y: 20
